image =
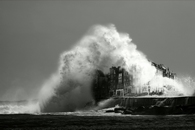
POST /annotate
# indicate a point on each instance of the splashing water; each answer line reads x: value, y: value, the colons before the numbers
x: 30, y: 107
x: 69, y: 89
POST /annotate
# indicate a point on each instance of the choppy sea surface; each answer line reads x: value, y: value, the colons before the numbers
x: 21, y: 115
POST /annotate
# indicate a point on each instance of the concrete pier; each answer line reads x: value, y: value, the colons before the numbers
x: 135, y: 102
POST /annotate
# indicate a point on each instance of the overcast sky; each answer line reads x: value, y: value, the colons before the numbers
x: 34, y: 33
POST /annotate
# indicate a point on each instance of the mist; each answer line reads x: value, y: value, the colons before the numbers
x: 69, y: 88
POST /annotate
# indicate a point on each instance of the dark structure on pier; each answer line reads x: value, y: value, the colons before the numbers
x: 118, y: 82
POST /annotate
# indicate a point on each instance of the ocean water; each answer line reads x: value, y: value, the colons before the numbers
x: 21, y: 115
x: 96, y: 120
x: 24, y: 107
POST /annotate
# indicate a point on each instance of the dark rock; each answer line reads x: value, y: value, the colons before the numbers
x: 119, y: 110
x: 109, y: 111
x: 126, y: 111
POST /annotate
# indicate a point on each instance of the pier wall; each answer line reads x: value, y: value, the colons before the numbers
x: 135, y: 102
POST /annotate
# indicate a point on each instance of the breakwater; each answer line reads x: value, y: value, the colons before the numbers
x: 153, y: 105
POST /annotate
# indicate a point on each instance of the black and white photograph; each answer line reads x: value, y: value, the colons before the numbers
x: 97, y: 64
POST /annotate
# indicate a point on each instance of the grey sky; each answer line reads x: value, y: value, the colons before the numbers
x: 34, y: 33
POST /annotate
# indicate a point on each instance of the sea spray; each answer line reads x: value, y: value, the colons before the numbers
x: 19, y: 107
x: 188, y: 84
x: 69, y: 89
